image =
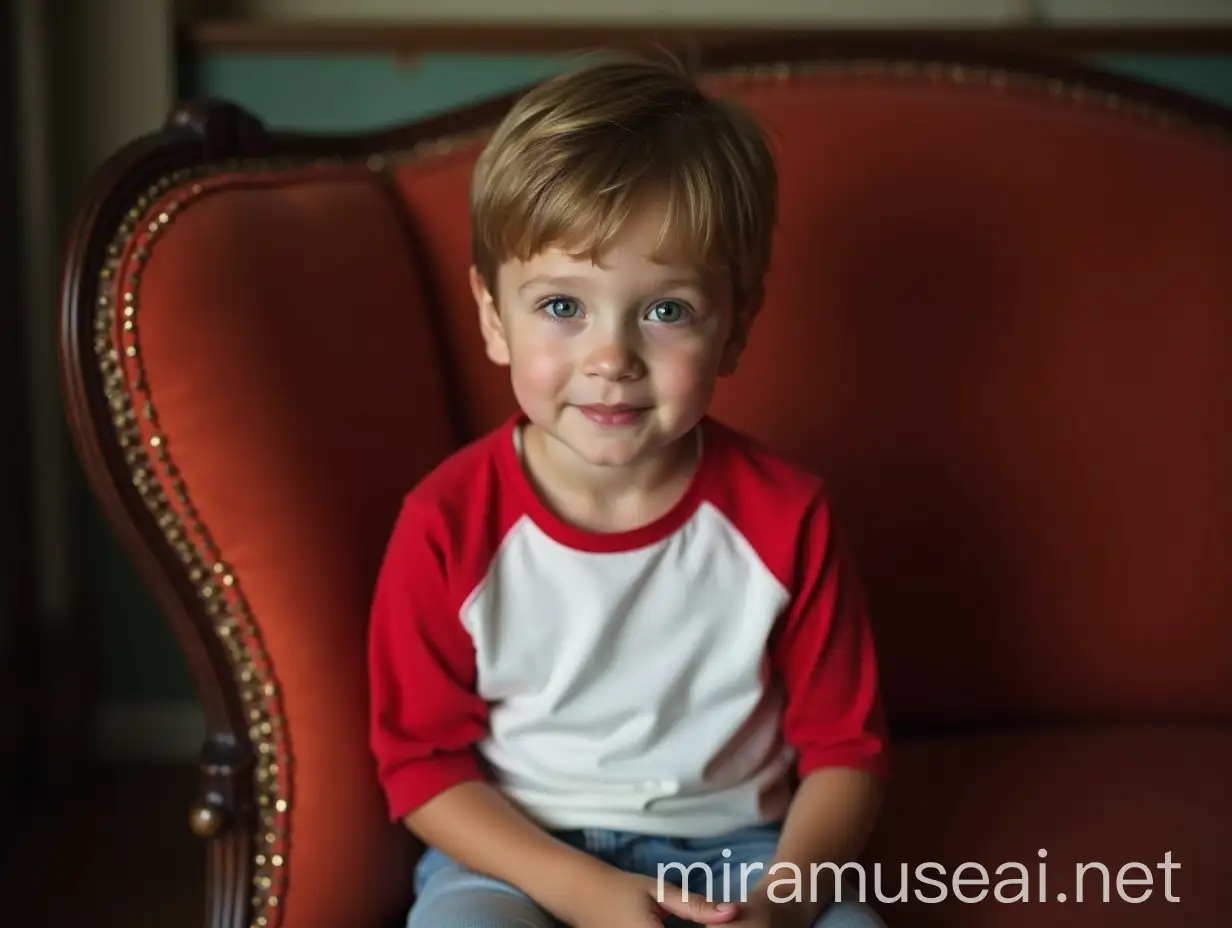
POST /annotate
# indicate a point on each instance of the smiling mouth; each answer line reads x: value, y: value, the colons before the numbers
x: 617, y: 415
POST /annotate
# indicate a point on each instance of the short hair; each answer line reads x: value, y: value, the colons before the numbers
x: 579, y: 152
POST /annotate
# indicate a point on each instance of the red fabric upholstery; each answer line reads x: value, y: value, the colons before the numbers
x: 289, y: 353
x: 997, y: 321
x: 1111, y: 795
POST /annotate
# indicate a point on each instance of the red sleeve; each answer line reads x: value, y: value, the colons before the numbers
x: 425, y: 715
x: 825, y: 657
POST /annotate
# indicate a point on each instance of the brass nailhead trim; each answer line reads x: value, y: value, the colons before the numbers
x: 977, y: 77
x: 147, y: 453
x: 151, y: 465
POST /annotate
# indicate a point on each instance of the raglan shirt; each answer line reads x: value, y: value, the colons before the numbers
x: 675, y: 678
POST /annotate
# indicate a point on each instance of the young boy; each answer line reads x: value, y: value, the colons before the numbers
x: 616, y: 645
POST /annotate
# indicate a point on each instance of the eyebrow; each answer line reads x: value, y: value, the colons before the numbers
x: 550, y: 280
x: 669, y: 283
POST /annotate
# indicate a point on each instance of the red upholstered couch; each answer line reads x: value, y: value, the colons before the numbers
x: 999, y: 320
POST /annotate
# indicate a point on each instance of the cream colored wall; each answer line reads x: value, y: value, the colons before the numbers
x: 121, y: 63
x: 902, y: 13
x: 92, y: 75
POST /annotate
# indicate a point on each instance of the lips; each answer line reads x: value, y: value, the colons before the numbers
x: 613, y: 415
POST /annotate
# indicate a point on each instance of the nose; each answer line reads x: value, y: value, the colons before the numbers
x: 612, y: 357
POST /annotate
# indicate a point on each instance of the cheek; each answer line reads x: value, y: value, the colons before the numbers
x: 540, y: 366
x: 683, y: 365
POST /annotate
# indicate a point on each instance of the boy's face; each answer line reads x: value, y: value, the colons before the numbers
x: 615, y: 361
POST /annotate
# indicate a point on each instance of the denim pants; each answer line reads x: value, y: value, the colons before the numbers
x: 450, y: 896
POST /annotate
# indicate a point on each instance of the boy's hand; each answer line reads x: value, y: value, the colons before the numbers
x: 617, y: 899
x: 761, y: 911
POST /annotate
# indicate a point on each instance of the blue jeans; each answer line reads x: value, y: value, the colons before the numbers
x: 449, y: 895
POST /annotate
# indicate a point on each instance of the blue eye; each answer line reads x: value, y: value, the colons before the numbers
x: 668, y: 311
x: 561, y: 308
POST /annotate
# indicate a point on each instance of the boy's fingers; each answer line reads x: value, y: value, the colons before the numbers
x: 698, y: 909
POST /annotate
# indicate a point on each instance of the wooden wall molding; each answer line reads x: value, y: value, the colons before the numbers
x: 409, y: 39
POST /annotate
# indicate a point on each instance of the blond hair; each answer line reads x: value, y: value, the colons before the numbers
x: 579, y: 153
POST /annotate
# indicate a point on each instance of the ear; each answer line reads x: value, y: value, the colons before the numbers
x: 490, y: 325
x: 736, y: 341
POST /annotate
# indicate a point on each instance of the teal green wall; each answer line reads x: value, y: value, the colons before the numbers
x: 1209, y: 77
x: 354, y: 92
x: 343, y: 93
x: 340, y: 93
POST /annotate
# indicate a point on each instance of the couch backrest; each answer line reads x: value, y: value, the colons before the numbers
x: 999, y: 321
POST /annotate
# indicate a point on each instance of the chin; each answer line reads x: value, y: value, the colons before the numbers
x: 614, y: 452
